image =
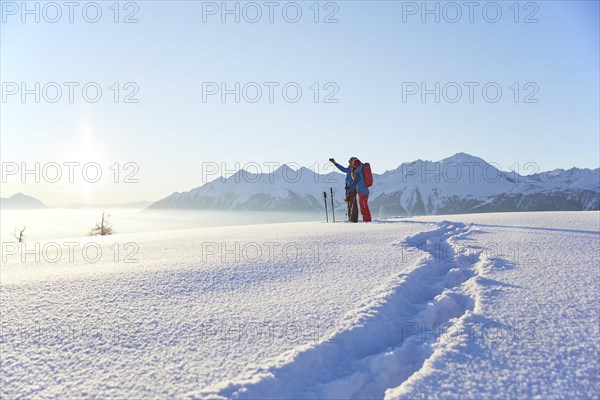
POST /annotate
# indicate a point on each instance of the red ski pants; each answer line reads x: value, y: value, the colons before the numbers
x: 363, y: 202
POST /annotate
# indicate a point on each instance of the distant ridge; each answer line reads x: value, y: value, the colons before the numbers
x: 21, y: 201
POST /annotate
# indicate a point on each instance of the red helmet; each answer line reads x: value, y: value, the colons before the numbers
x: 356, y: 162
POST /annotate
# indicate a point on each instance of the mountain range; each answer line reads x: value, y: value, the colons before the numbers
x: 461, y: 183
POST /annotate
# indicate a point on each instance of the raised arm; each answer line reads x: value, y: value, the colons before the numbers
x: 338, y: 166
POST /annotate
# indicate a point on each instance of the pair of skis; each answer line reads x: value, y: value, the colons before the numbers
x: 332, y: 208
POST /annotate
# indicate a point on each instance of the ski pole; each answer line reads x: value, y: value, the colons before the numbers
x: 325, y: 201
x: 332, y: 207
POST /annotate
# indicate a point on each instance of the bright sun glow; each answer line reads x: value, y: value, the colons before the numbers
x: 88, y: 151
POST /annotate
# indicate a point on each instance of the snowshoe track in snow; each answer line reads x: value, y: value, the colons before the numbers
x: 388, y: 338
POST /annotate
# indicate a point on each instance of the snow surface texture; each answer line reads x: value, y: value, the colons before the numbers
x: 491, y: 305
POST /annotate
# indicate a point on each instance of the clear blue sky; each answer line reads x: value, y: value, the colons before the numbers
x: 368, y: 54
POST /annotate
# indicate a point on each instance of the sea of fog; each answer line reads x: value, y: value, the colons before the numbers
x: 57, y: 223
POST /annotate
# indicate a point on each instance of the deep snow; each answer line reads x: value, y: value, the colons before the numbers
x: 490, y: 305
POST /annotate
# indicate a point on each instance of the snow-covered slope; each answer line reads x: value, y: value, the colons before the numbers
x: 536, y: 333
x: 458, y: 184
x: 481, y: 306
